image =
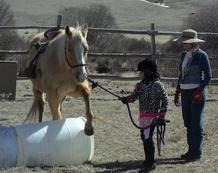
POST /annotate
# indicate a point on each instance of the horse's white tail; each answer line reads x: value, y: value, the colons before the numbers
x: 33, y: 114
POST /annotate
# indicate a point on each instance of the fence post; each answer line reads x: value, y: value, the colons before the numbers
x: 59, y: 20
x: 8, y: 71
x: 153, y: 43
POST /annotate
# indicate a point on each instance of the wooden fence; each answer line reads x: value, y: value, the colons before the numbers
x: 152, y: 32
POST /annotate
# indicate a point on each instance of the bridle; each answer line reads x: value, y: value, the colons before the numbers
x: 67, y: 58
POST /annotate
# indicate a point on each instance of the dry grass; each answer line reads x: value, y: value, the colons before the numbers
x: 118, y: 144
x: 141, y: 16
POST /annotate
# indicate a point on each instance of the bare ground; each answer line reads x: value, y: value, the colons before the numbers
x: 118, y: 147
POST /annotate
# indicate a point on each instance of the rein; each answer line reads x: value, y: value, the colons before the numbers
x: 160, y: 127
x: 67, y: 59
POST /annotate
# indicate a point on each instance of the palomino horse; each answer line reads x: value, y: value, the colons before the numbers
x: 61, y: 72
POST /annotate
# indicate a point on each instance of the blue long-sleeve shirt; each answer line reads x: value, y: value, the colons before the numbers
x: 199, y: 71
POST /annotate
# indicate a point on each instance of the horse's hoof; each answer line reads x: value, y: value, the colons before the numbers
x: 89, y: 131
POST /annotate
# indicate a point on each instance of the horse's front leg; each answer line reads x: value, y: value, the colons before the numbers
x: 54, y: 104
x: 89, y: 130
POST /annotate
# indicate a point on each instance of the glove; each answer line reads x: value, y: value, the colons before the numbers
x: 123, y: 100
x: 196, y: 96
x: 160, y: 121
x: 176, y: 97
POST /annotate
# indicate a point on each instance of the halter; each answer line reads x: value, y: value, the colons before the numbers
x: 67, y: 59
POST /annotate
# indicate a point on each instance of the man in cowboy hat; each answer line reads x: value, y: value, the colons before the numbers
x: 195, y: 74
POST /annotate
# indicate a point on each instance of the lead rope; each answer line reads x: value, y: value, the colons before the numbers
x: 160, y: 136
x: 159, y: 127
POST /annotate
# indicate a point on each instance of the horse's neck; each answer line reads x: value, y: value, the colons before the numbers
x: 56, y: 49
x: 59, y: 38
x: 58, y: 41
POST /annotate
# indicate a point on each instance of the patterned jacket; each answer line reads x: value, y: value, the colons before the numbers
x: 152, y: 97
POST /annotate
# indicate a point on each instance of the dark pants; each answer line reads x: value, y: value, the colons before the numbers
x: 193, y: 120
x: 148, y: 145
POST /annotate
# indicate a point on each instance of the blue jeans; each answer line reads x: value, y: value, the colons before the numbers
x: 193, y: 118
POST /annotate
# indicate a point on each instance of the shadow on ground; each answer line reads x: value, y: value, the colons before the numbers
x: 135, y: 166
x: 117, y: 166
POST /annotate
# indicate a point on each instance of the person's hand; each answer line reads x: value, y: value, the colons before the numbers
x: 196, y: 96
x: 161, y: 121
x: 123, y: 100
x: 176, y: 98
x: 161, y: 118
x: 162, y: 114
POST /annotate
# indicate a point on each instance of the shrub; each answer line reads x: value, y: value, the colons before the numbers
x: 204, y: 20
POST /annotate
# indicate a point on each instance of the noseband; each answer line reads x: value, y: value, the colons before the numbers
x: 67, y: 59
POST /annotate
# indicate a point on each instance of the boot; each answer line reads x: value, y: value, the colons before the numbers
x: 149, y: 153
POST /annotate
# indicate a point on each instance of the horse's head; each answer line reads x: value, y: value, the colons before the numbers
x: 76, y: 50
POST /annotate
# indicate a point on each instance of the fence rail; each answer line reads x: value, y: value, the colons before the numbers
x: 152, y: 32
x: 111, y: 30
x: 90, y: 54
x: 13, y: 51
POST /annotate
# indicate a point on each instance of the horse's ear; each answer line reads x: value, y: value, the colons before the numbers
x: 84, y: 29
x: 77, y: 24
x: 67, y: 31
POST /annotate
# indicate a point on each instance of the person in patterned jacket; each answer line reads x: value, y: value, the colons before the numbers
x: 153, y: 103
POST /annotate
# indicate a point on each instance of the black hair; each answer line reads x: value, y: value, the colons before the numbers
x: 150, y: 70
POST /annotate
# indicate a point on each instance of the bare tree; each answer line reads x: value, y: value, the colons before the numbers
x: 9, y: 39
x: 205, y: 20
x: 6, y: 16
x: 99, y: 16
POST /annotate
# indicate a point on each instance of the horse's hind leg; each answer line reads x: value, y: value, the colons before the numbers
x: 37, y: 107
x: 62, y: 103
x: 89, y: 130
x: 40, y: 101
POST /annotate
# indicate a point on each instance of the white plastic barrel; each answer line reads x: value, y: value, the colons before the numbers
x: 8, y: 146
x: 60, y: 142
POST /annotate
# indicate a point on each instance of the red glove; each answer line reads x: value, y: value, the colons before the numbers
x: 176, y: 97
x: 196, y: 96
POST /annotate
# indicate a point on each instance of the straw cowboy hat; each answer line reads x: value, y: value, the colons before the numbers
x: 189, y: 36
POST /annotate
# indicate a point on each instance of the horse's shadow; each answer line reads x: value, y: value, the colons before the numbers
x: 134, y: 165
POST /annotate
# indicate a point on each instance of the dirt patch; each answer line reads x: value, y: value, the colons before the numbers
x: 118, y: 147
